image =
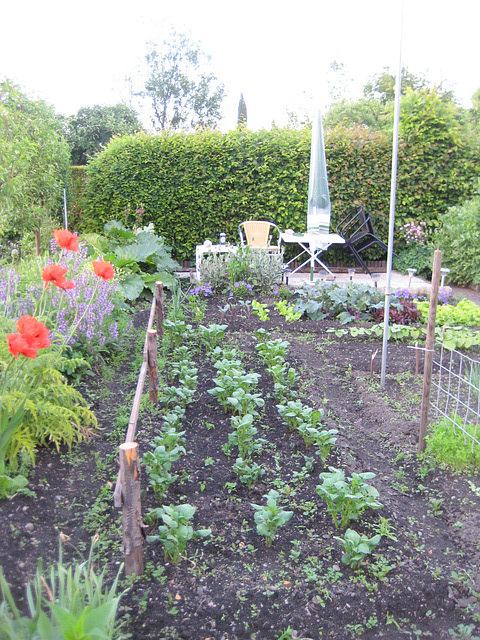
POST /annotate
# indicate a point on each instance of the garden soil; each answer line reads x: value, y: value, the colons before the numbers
x: 422, y: 580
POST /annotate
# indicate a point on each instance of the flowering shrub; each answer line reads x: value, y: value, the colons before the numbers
x: 37, y: 405
x: 261, y: 270
x: 240, y: 290
x: 201, y: 290
x: 415, y: 233
x: 89, y: 305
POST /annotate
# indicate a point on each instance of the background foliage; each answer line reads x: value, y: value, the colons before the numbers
x: 192, y: 186
x: 93, y: 127
x: 34, y: 162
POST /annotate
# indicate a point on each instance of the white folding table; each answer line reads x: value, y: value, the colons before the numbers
x: 313, y: 243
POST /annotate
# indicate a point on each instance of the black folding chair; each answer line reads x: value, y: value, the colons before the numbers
x: 357, y: 231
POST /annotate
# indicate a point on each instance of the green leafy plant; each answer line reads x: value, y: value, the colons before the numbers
x: 465, y: 314
x: 346, y: 304
x: 357, y: 547
x: 67, y: 601
x: 175, y: 532
x: 287, y: 311
x: 261, y: 310
x: 158, y: 464
x: 141, y: 257
x: 248, y: 472
x: 270, y: 517
x: 243, y: 402
x: 244, y: 437
x: 212, y: 335
x: 323, y: 440
x: 296, y: 413
x: 272, y: 352
x: 347, y: 498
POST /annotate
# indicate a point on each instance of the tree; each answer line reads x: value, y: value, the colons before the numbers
x: 92, y: 128
x: 34, y: 163
x: 367, y: 112
x: 242, y: 112
x: 183, y: 94
x: 382, y: 85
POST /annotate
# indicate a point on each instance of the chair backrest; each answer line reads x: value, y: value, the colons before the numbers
x: 355, y: 225
x: 257, y: 233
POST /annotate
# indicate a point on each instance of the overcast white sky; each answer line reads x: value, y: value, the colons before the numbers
x: 77, y: 54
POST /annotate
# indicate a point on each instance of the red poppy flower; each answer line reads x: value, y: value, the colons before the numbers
x: 66, y: 239
x: 34, y: 332
x: 103, y: 269
x: 18, y: 345
x: 56, y: 273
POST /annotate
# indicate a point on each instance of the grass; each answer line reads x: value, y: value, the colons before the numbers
x: 452, y: 448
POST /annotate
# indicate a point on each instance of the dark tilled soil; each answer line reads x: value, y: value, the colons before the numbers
x: 423, y: 583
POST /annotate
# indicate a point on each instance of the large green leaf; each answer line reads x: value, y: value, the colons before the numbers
x: 132, y: 286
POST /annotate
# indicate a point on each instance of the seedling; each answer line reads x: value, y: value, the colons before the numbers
x: 270, y: 517
x: 248, y: 473
x: 347, y: 498
x: 357, y: 547
x: 176, y: 531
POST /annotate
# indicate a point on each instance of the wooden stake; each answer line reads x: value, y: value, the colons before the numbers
x: 132, y: 525
x: 152, y: 365
x: 429, y: 345
x: 417, y: 359
x: 160, y: 307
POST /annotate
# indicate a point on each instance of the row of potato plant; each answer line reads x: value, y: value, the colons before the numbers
x: 346, y: 498
x: 178, y: 346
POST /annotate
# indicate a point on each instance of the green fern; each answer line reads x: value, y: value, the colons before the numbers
x: 54, y: 412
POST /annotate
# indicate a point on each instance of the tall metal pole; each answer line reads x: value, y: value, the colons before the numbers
x: 65, y: 221
x: 391, y: 224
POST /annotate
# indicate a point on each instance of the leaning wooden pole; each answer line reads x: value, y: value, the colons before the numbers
x: 132, y: 526
x: 160, y: 307
x: 152, y: 365
x: 429, y: 345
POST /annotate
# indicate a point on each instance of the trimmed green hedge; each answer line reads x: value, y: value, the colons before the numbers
x: 192, y: 186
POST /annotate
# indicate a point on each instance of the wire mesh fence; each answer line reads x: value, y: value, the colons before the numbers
x: 455, y: 392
